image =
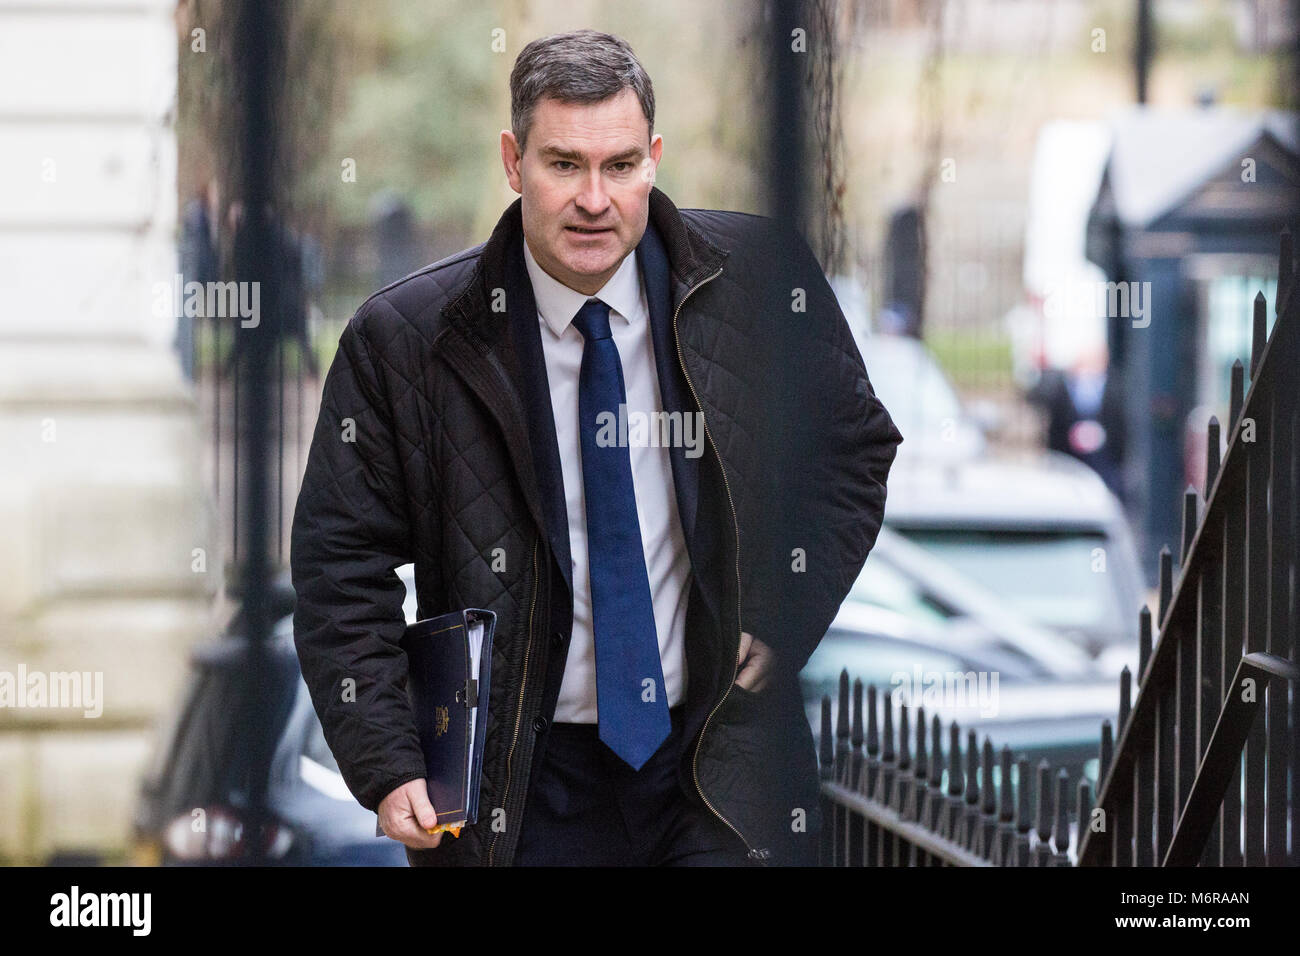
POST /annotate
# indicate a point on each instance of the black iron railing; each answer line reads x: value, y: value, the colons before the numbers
x: 885, y: 805
x: 1205, y: 767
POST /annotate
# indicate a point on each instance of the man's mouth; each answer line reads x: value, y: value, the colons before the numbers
x: 588, y: 230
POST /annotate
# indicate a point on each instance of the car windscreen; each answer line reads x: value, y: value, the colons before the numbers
x: 1052, y: 577
x: 882, y: 585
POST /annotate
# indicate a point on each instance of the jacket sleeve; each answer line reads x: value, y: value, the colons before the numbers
x: 831, y: 446
x: 350, y: 532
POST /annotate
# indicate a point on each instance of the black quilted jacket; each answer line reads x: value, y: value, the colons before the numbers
x: 422, y: 453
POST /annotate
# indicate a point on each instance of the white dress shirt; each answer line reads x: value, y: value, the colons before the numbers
x: 666, y: 558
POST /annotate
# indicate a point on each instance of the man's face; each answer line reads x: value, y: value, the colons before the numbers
x: 585, y: 177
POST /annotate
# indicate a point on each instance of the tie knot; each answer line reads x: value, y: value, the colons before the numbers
x: 592, y: 320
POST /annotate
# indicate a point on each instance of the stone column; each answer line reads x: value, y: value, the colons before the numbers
x: 101, y: 501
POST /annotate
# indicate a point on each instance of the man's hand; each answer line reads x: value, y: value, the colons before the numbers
x: 405, y: 815
x: 756, y: 663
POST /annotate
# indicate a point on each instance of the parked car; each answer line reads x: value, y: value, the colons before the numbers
x: 1011, y: 698
x: 904, y: 577
x: 193, y: 802
x: 912, y: 385
x: 921, y: 401
x: 1044, y: 535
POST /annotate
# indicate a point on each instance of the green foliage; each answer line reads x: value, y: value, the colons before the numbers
x: 425, y: 100
x: 973, y: 359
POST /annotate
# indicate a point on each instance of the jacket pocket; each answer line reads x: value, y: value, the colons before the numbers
x: 765, y: 767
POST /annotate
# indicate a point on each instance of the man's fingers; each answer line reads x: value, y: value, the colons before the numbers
x: 420, y: 806
x: 745, y: 640
x: 756, y: 659
x: 409, y: 832
x: 406, y: 816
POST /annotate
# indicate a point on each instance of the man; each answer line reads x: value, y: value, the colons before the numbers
x: 657, y: 587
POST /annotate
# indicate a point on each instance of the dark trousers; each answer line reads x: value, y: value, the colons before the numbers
x: 589, y: 808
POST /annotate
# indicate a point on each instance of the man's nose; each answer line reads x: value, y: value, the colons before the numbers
x: 592, y: 197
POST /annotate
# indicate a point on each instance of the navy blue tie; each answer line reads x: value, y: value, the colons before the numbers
x: 631, y: 699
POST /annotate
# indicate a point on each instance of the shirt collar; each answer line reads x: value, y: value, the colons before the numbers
x: 558, y: 304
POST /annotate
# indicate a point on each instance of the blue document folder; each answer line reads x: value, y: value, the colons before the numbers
x: 449, y: 669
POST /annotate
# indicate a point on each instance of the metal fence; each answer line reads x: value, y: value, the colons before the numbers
x: 1204, y: 770
x: 883, y: 805
x: 221, y: 386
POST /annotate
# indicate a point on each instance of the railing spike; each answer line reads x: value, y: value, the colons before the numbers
x: 1061, y: 830
x: 1144, y: 642
x: 1125, y: 698
x: 1211, y: 454
x: 1083, y: 812
x: 1105, y: 755
x: 954, y: 760
x: 855, y: 738
x: 922, y: 766
x: 1189, y: 526
x: 842, y: 726
x: 1166, y: 582
x: 1236, y: 394
x: 855, y: 755
x: 1259, y: 333
x: 990, y: 794
x: 842, y: 708
x: 887, y: 732
x: 904, y: 742
x: 1043, y: 821
x: 1023, y: 794
x: 936, y: 741
x: 972, y: 768
x: 873, y: 729
x: 1007, y: 794
x: 827, y: 753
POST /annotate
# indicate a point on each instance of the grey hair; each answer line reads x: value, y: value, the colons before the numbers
x: 584, y: 66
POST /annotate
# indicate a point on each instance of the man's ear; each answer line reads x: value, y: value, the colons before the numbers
x: 512, y: 159
x: 650, y: 165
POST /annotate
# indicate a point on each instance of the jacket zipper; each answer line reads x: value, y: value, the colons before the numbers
x: 519, y: 712
x: 735, y: 524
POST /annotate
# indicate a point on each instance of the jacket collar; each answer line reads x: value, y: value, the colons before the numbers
x: 691, y: 257
x: 558, y: 305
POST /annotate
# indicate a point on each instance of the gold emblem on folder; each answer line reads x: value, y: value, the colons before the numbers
x: 440, y: 720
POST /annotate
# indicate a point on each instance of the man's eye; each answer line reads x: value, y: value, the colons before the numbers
x: 562, y: 164
x: 622, y: 167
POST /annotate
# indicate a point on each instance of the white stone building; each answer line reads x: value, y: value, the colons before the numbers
x: 100, y: 491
